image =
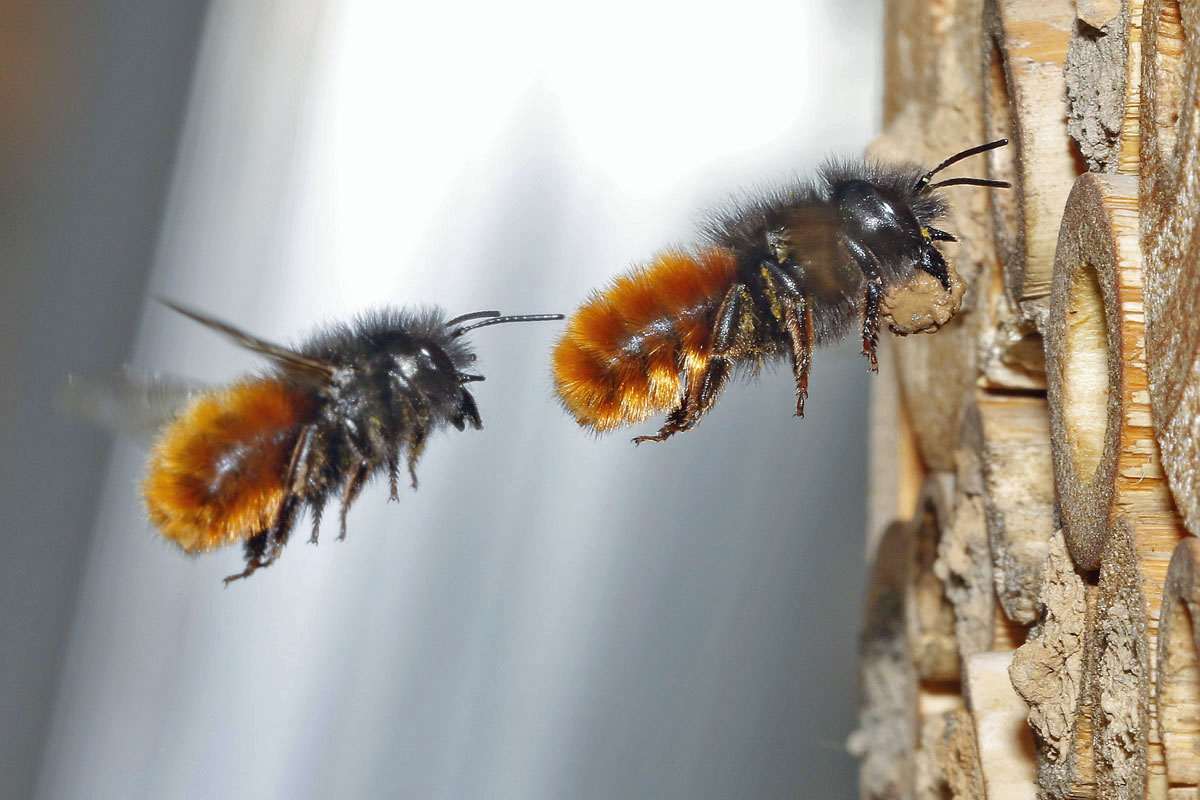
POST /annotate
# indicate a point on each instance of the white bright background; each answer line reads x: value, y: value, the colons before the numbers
x: 551, y: 615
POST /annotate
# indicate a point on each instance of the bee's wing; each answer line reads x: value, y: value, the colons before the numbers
x: 288, y: 359
x: 129, y: 403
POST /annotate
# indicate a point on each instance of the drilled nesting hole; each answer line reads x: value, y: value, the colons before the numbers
x: 1179, y: 700
x: 1170, y: 43
x: 1001, y: 163
x: 934, y: 646
x: 1085, y: 372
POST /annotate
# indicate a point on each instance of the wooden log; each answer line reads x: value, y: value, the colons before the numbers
x: 1170, y: 194
x: 1103, y: 76
x: 1026, y: 102
x: 1051, y: 673
x: 931, y: 614
x: 965, y: 561
x: 1010, y: 435
x: 888, y: 720
x: 1116, y: 508
x: 1006, y: 749
x: 1177, y: 691
x: 1101, y: 436
x: 1128, y: 755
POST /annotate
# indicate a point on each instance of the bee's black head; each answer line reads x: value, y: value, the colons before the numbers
x: 887, y: 214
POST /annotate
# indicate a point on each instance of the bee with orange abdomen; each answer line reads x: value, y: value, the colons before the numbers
x: 777, y: 275
x: 238, y: 463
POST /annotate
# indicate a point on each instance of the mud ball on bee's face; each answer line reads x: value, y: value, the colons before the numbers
x: 921, y: 304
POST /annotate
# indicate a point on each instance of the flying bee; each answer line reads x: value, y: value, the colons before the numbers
x: 238, y: 463
x: 776, y: 275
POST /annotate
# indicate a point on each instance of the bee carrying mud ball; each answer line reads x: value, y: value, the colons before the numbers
x: 776, y: 275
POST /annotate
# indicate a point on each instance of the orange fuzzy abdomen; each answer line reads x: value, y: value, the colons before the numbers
x: 216, y: 474
x: 624, y: 350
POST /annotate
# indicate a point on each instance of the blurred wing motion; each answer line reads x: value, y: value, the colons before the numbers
x: 288, y: 359
x: 136, y: 405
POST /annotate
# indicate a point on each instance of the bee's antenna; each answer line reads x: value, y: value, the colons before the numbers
x: 500, y: 320
x: 472, y: 315
x: 970, y: 182
x: 923, y: 183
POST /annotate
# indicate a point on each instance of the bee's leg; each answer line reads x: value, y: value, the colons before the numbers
x: 310, y: 487
x: 799, y: 324
x: 419, y: 435
x: 791, y: 307
x: 870, y: 326
x: 940, y: 235
x: 873, y: 294
x: 933, y: 263
x: 262, y: 550
x: 254, y: 549
x: 393, y: 472
x: 416, y: 446
x: 350, y: 493
x: 316, y: 508
x: 467, y: 411
x: 698, y: 385
x: 703, y: 386
x: 779, y: 279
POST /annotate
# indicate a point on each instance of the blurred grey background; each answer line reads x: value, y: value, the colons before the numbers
x: 551, y: 615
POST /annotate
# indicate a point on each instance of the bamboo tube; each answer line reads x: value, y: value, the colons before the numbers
x: 1026, y: 102
x: 894, y: 466
x: 1103, y: 77
x: 935, y: 372
x: 1101, y: 436
x: 931, y: 615
x: 906, y: 61
x: 1010, y: 352
x: 934, y: 108
x: 1051, y: 673
x: 1129, y: 155
x: 935, y: 369
x: 888, y: 715
x: 1010, y: 433
x: 1006, y: 751
x: 1177, y: 692
x: 1170, y: 194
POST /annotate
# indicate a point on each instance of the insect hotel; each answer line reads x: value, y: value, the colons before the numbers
x: 1030, y: 629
